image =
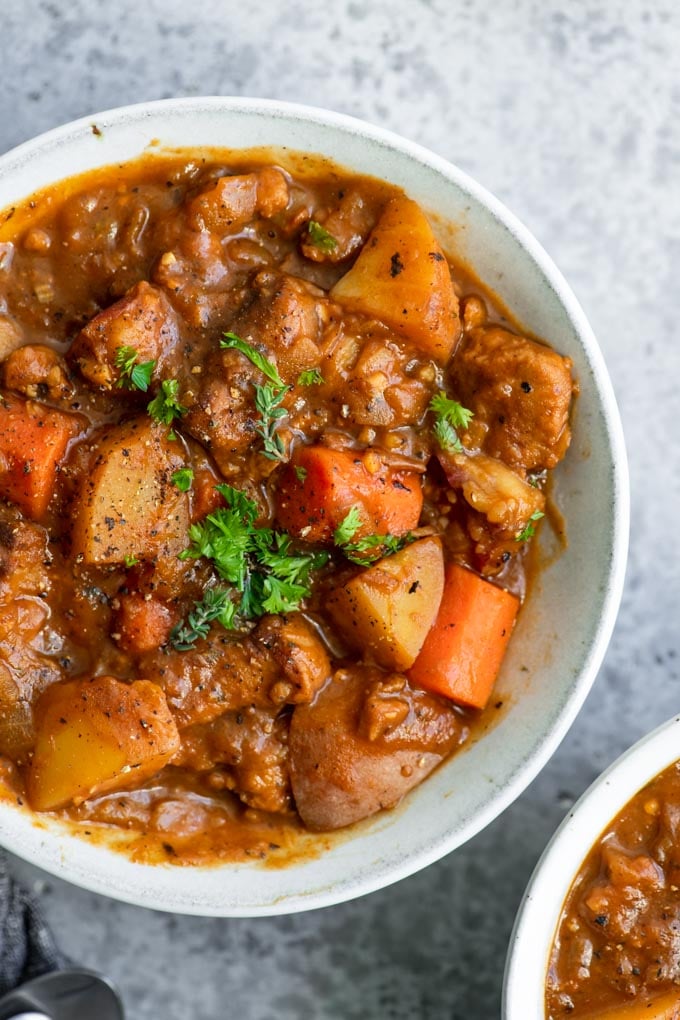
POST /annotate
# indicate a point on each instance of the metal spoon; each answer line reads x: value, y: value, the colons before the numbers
x: 64, y: 995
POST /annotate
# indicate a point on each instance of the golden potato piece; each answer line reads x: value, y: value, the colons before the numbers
x: 388, y: 609
x: 128, y: 506
x: 94, y: 736
x: 402, y: 278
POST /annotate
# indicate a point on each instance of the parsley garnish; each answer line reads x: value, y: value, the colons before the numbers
x: 367, y: 549
x: 529, y: 531
x: 268, y: 402
x: 320, y: 237
x: 310, y: 377
x: 265, y: 366
x: 446, y: 436
x: 130, y: 561
x: 132, y: 375
x: 165, y: 406
x: 266, y: 574
x: 450, y: 416
x: 216, y: 604
x: 268, y: 398
x: 375, y: 547
x: 301, y: 472
x: 183, y: 479
x: 348, y: 527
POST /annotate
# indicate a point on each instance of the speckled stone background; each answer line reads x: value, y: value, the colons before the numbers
x: 570, y: 113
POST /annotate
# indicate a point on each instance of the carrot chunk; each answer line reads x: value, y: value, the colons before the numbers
x: 33, y: 441
x: 463, y: 652
x: 321, y: 485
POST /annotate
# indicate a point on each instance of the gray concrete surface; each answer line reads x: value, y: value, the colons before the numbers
x: 570, y: 112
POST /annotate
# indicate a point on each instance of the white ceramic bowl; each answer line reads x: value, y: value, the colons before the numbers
x: 550, y: 666
x: 541, y: 907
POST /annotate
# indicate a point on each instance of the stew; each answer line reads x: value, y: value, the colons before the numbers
x: 617, y: 951
x: 270, y: 464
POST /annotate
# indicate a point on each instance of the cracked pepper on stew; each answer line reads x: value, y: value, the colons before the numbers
x: 616, y: 955
x: 270, y: 464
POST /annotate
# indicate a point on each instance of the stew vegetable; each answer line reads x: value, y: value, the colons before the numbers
x: 269, y: 467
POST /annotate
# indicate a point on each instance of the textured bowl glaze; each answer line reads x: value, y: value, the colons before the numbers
x: 549, y: 668
x: 541, y: 907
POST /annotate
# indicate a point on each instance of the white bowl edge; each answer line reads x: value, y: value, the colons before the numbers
x: 541, y: 907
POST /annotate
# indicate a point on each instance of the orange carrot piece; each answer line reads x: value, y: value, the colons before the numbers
x: 320, y: 486
x: 465, y: 647
x: 33, y: 441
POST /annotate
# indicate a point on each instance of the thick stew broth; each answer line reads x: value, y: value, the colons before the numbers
x: 263, y: 450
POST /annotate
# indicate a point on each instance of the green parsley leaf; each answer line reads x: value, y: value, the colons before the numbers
x: 217, y: 605
x: 451, y: 411
x: 301, y: 472
x: 446, y: 436
x: 165, y: 406
x: 371, y: 547
x: 450, y: 416
x: 132, y: 375
x: 348, y: 527
x: 265, y: 366
x: 268, y: 400
x: 374, y: 547
x: 130, y: 561
x: 529, y: 531
x: 243, y: 505
x: 321, y: 238
x: 310, y: 377
x: 267, y: 575
x: 183, y: 479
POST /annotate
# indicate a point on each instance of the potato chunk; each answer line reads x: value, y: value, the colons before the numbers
x: 366, y: 740
x: 128, y: 506
x: 388, y: 609
x: 402, y: 278
x: 95, y: 736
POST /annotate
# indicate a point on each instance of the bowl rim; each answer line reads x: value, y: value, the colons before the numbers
x: 543, y: 900
x: 528, y: 769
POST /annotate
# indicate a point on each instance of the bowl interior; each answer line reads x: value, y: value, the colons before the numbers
x: 549, y: 668
x: 541, y: 908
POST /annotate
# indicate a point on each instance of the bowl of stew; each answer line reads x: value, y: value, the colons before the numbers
x: 596, y: 935
x: 307, y: 456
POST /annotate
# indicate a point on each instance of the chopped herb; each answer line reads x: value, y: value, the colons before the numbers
x: 130, y: 561
x: 265, y: 366
x: 369, y: 548
x: 348, y: 527
x: 266, y: 574
x: 301, y: 472
x: 183, y: 479
x: 450, y: 416
x: 311, y: 377
x: 216, y: 604
x: 165, y: 406
x: 446, y: 436
x: 321, y: 238
x: 132, y: 375
x: 529, y: 531
x: 375, y: 547
x: 268, y: 400
x: 451, y: 411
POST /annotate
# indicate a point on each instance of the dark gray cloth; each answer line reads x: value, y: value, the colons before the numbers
x: 27, y: 947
